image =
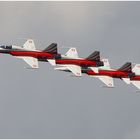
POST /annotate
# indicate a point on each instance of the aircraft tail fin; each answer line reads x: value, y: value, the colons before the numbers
x: 72, y: 53
x: 136, y: 69
x: 127, y: 67
x: 52, y: 48
x: 106, y: 64
x: 95, y: 56
x: 29, y: 45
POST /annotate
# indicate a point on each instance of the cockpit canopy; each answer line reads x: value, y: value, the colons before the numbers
x: 6, y: 47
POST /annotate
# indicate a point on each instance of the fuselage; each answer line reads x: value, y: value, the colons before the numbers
x: 135, y: 78
x: 111, y: 73
x: 79, y: 62
x: 21, y: 52
x: 36, y: 54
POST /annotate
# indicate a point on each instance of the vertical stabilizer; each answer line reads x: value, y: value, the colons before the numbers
x: 136, y: 69
x: 106, y: 64
x: 95, y: 56
x: 127, y: 67
x: 52, y: 48
x: 72, y: 53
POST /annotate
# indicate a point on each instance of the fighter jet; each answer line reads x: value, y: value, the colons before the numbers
x: 29, y: 53
x: 106, y: 74
x: 70, y: 61
x: 128, y: 74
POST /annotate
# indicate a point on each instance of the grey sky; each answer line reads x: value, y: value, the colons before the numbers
x: 51, y: 104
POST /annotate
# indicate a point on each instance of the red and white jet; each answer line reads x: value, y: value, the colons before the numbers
x: 70, y: 61
x: 128, y: 74
x: 29, y: 53
x: 106, y: 74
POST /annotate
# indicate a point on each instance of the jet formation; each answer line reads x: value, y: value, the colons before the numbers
x: 92, y: 65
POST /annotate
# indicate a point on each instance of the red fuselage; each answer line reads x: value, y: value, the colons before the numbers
x: 40, y: 55
x: 79, y: 62
x: 111, y: 73
x: 35, y: 54
x: 135, y: 78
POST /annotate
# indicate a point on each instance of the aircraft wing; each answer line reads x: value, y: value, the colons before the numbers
x: 33, y: 62
x: 108, y: 81
x: 94, y: 69
x: 76, y: 70
x: 126, y: 80
x: 52, y: 62
x: 136, y: 84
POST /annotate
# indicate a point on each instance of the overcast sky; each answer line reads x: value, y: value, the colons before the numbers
x: 51, y: 104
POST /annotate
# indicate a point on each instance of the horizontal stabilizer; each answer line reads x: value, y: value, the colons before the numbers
x: 127, y: 67
x: 51, y: 48
x: 29, y: 45
x: 136, y: 69
x: 72, y: 53
x: 136, y: 84
x: 33, y: 62
x: 126, y: 80
x: 95, y: 56
x: 106, y: 64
